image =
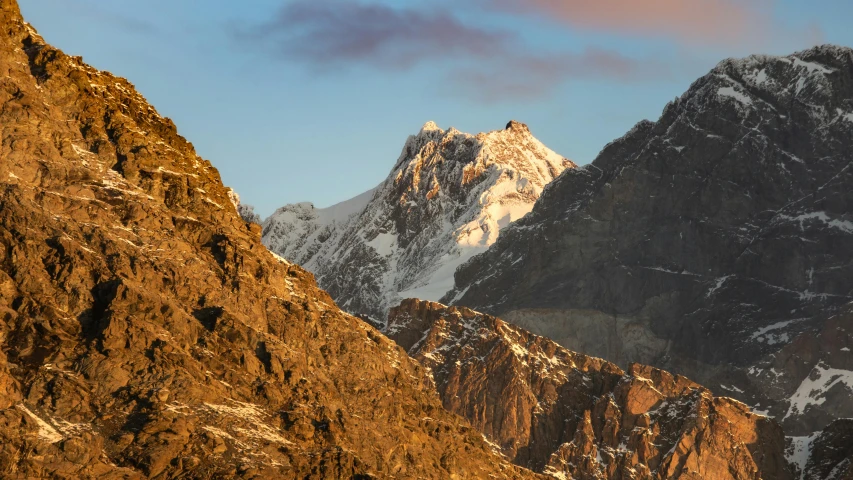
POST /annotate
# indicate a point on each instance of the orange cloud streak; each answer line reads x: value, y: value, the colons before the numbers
x: 695, y: 21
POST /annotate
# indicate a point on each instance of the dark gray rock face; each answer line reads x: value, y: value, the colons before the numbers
x: 704, y: 243
x: 831, y: 453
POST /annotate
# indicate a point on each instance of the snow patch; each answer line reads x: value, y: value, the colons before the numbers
x: 280, y: 258
x: 813, y: 389
x: 812, y: 67
x: 384, y: 244
x: 845, y: 226
x: 769, y: 335
x: 759, y: 77
x: 719, y: 283
x: 45, y: 430
x: 730, y: 92
x: 799, y: 450
x: 252, y: 416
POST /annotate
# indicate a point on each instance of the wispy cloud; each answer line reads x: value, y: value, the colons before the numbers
x: 327, y: 35
x: 529, y: 77
x: 698, y: 22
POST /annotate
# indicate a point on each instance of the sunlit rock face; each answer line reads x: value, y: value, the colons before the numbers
x: 147, y: 333
x: 574, y: 416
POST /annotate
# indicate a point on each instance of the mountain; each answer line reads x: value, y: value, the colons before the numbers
x: 827, y: 455
x: 446, y: 199
x: 147, y: 333
x: 246, y: 211
x: 714, y: 243
x: 574, y: 416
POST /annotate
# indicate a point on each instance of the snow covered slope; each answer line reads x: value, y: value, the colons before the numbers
x: 446, y: 199
x: 296, y: 231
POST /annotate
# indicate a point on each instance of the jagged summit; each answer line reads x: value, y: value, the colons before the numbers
x: 574, y: 416
x: 753, y: 83
x: 430, y: 126
x: 447, y: 198
x: 715, y: 241
x: 517, y: 126
x: 833, y: 54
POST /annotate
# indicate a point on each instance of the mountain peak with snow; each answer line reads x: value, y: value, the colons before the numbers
x: 430, y: 126
x: 517, y: 126
x: 446, y: 199
x: 714, y: 242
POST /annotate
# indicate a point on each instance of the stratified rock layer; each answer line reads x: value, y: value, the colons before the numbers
x: 574, y: 416
x: 707, y: 243
x: 146, y: 332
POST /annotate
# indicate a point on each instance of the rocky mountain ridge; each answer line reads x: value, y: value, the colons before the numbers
x: 713, y: 242
x: 446, y: 199
x: 147, y: 333
x: 573, y: 416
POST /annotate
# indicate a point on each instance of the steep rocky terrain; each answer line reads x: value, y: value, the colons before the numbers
x: 715, y: 242
x: 446, y: 199
x: 831, y: 452
x: 246, y: 212
x: 146, y: 332
x: 574, y: 416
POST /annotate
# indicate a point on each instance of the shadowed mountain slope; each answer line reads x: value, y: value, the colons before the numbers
x: 715, y: 242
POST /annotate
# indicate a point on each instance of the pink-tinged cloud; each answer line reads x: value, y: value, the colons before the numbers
x: 330, y: 35
x: 527, y: 78
x: 694, y: 21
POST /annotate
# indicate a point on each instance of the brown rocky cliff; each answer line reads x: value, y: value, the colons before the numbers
x: 146, y: 332
x: 574, y: 416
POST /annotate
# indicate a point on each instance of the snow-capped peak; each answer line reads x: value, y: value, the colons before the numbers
x: 447, y: 198
x: 517, y: 126
x: 430, y: 126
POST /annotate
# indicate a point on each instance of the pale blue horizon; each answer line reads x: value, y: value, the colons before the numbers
x: 297, y: 101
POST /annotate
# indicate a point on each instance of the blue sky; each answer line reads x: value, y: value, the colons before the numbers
x: 312, y: 100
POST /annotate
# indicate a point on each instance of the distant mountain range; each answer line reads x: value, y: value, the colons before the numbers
x: 148, y: 333
x: 715, y: 242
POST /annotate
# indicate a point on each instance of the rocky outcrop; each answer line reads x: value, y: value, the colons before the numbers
x: 246, y: 211
x: 827, y: 455
x: 811, y: 376
x: 714, y: 242
x: 574, y: 416
x: 146, y: 332
x: 446, y: 199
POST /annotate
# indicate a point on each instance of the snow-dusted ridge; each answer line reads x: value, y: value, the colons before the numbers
x: 740, y: 193
x: 447, y: 198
